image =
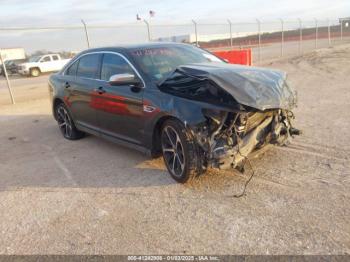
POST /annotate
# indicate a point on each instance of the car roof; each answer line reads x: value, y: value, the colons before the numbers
x: 134, y: 46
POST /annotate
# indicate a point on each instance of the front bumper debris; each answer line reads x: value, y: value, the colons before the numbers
x: 239, y: 135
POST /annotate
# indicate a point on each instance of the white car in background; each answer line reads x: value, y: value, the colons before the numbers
x: 42, y: 64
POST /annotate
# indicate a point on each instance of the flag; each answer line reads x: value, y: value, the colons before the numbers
x: 152, y: 13
x: 138, y: 18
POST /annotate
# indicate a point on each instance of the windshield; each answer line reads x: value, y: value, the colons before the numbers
x: 34, y: 59
x: 158, y: 62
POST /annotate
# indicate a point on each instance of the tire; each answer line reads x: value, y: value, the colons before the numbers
x: 66, y: 124
x: 35, y: 72
x: 179, y: 151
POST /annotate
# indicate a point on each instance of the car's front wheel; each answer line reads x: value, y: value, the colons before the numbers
x: 179, y: 151
x: 35, y: 72
x: 66, y: 124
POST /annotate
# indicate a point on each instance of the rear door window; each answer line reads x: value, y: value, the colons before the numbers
x: 89, y: 66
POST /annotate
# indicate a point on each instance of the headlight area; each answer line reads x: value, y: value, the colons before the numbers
x: 227, y: 138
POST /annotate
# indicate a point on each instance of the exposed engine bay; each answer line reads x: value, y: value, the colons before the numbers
x: 253, y: 109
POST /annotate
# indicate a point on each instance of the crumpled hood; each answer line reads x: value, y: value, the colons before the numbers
x: 259, y: 88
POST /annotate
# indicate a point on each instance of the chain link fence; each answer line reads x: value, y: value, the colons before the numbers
x: 223, y: 34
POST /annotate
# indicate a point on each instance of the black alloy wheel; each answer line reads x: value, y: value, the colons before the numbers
x: 66, y: 124
x: 179, y: 152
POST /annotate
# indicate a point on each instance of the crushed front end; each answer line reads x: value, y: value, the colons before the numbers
x: 228, y: 138
x: 245, y: 109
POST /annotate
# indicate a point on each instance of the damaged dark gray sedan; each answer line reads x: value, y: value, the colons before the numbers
x: 176, y: 100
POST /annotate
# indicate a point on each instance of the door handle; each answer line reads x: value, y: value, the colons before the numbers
x: 100, y: 90
x: 66, y: 85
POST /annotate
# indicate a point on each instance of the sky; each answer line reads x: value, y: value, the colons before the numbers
x: 37, y: 12
x: 24, y: 13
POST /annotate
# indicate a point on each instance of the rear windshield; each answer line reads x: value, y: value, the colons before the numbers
x: 158, y: 62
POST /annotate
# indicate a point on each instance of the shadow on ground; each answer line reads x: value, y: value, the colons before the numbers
x: 33, y: 153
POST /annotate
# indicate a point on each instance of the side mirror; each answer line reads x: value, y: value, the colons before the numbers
x: 123, y: 80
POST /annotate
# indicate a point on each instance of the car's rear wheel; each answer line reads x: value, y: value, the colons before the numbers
x: 66, y: 124
x: 35, y: 72
x: 179, y: 151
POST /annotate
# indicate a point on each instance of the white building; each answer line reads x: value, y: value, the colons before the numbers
x: 12, y: 53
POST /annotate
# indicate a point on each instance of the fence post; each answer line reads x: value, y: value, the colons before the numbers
x: 341, y: 29
x: 300, y: 36
x: 316, y: 32
x: 282, y: 35
x: 259, y: 39
x: 148, y: 30
x: 329, y: 33
x: 86, y: 33
x: 231, y: 40
x: 195, y: 31
x: 7, y: 78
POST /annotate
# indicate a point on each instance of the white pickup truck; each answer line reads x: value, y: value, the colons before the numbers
x: 42, y: 64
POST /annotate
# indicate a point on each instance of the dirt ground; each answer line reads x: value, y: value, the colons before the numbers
x: 94, y: 197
